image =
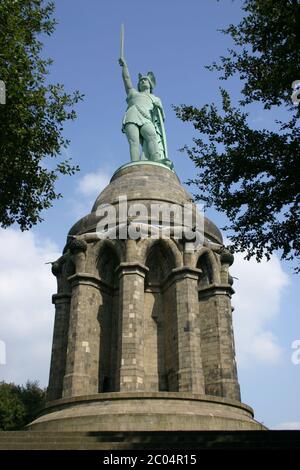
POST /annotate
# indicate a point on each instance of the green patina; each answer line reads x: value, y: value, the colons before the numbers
x: 143, y: 122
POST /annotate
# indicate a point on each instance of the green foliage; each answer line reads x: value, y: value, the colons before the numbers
x: 253, y: 175
x: 12, y: 409
x: 267, y: 51
x: 33, y: 398
x: 31, y: 121
x: 19, y: 405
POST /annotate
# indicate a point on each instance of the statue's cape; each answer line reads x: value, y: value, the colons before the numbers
x: 158, y: 122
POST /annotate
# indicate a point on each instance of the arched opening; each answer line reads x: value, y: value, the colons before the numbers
x: 160, y: 261
x: 161, y: 363
x: 206, y: 277
x: 107, y: 263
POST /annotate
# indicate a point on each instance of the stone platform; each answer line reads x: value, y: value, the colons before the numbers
x: 143, y: 338
x: 130, y: 441
x: 139, y: 412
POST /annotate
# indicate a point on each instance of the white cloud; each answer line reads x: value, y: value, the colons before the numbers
x: 27, y: 314
x: 292, y: 425
x: 259, y: 288
x: 265, y: 346
x: 93, y: 183
x: 90, y: 186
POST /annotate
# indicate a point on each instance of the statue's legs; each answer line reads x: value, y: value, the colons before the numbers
x: 149, y: 134
x: 133, y: 136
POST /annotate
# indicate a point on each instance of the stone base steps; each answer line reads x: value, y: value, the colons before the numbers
x: 34, y: 440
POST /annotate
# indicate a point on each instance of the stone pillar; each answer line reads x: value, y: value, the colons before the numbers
x: 217, y: 342
x: 131, y: 327
x: 82, y: 367
x: 59, y: 345
x: 154, y: 355
x: 190, y: 373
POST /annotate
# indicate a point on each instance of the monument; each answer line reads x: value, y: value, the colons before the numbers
x: 143, y: 337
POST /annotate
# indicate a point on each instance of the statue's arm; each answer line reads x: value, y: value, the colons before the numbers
x: 125, y: 75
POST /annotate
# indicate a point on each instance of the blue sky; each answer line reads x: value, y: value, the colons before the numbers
x: 175, y: 40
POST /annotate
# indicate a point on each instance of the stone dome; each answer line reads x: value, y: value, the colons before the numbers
x: 147, y: 183
x: 143, y: 182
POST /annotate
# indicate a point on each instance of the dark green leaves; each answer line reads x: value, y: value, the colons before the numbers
x: 31, y: 121
x: 19, y: 405
x: 253, y: 175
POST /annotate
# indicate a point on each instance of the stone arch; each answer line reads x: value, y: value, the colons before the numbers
x: 107, y: 261
x: 161, y: 351
x: 160, y: 260
x: 210, y: 271
x: 169, y: 247
x: 115, y: 245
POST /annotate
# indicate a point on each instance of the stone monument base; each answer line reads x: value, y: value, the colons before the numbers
x: 141, y: 411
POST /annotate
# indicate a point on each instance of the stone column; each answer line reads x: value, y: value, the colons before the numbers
x: 59, y: 345
x: 82, y: 367
x: 217, y: 342
x: 190, y: 373
x: 130, y: 376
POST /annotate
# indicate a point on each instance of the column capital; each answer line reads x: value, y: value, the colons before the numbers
x: 186, y: 271
x: 132, y: 268
x: 216, y: 289
x: 61, y: 297
x: 89, y: 280
x: 183, y: 272
x: 77, y: 245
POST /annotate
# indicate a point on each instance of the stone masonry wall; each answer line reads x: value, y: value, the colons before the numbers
x: 82, y: 367
x: 217, y: 348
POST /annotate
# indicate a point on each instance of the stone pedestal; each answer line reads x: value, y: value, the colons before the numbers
x: 143, y: 336
x: 143, y: 411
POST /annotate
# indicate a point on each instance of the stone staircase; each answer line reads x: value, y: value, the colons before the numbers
x: 34, y: 440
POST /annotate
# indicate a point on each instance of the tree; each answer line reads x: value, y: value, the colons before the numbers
x: 19, y: 405
x: 33, y: 398
x: 12, y: 409
x: 251, y: 174
x: 31, y: 121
